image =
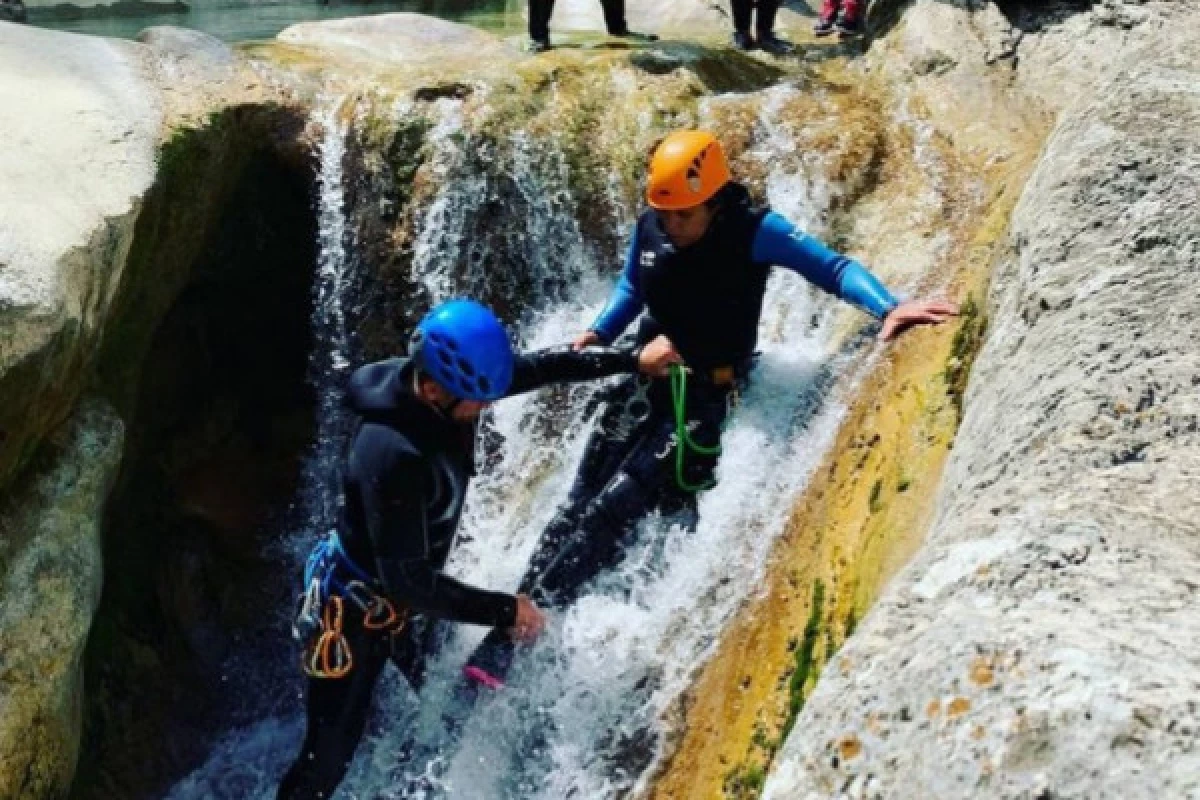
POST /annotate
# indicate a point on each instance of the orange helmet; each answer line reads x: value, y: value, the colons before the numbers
x: 686, y: 170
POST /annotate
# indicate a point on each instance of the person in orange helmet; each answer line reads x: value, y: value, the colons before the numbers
x: 696, y: 272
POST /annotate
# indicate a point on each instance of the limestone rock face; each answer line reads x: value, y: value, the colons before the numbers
x: 206, y: 56
x: 81, y: 119
x: 80, y: 123
x: 1045, y: 642
x: 399, y: 39
x: 50, y: 575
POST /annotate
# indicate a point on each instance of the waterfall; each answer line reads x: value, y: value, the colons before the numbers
x: 333, y: 289
x: 588, y: 708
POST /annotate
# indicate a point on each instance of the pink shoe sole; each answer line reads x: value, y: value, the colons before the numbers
x: 482, y: 677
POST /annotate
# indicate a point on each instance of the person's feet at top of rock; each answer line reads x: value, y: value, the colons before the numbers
x: 824, y: 26
x: 743, y: 41
x: 634, y: 36
x: 849, y: 25
x: 538, y: 46
x: 774, y: 45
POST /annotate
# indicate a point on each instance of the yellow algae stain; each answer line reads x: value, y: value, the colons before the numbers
x: 934, y: 708
x: 981, y: 672
x: 958, y: 706
x: 849, y: 747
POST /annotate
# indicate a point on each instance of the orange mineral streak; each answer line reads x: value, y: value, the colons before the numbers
x: 958, y: 706
x: 982, y: 672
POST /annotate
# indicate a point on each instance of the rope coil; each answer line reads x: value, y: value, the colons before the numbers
x: 684, y: 440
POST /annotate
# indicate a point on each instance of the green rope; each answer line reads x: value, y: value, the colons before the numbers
x: 684, y: 439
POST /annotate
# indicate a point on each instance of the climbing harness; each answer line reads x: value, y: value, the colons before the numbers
x: 319, y: 624
x: 683, y: 438
x: 634, y: 410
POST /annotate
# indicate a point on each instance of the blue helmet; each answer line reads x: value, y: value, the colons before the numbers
x: 462, y: 346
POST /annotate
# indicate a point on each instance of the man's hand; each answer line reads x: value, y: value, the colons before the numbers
x: 586, y: 339
x: 530, y: 620
x: 657, y: 356
x: 916, y: 312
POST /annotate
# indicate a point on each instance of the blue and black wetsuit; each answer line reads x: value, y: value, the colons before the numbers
x: 707, y: 298
x: 405, y: 477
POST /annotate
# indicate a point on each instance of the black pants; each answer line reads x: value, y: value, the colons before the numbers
x: 540, y: 11
x: 338, y: 708
x: 628, y: 470
x: 743, y: 9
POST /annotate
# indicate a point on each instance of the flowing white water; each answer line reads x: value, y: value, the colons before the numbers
x: 586, y: 709
x: 333, y: 287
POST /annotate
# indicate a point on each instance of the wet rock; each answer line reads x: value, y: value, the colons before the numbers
x: 49, y: 589
x: 398, y: 39
x: 82, y: 119
x: 1049, y: 625
x: 200, y: 56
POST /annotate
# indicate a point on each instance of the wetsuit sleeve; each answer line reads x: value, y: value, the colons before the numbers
x: 564, y: 364
x: 625, y: 302
x: 405, y: 562
x: 781, y: 243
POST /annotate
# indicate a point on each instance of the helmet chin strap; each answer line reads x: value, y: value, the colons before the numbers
x: 445, y: 407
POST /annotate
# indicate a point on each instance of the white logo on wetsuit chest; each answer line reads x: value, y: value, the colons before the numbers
x: 648, y: 257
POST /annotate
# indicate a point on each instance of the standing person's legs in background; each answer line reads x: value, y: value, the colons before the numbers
x: 614, y: 22
x: 539, y: 24
x: 743, y: 10
x: 849, y: 22
x: 827, y: 18
x: 765, y: 28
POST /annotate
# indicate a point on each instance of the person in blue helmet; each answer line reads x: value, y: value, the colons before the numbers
x: 374, y: 586
x: 696, y: 273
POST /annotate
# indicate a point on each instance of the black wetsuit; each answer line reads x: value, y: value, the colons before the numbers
x: 405, y: 477
x: 540, y: 11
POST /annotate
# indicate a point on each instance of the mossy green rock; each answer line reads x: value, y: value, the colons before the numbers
x: 50, y: 578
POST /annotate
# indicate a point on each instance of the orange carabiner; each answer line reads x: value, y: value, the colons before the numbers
x: 381, y: 614
x: 330, y: 656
